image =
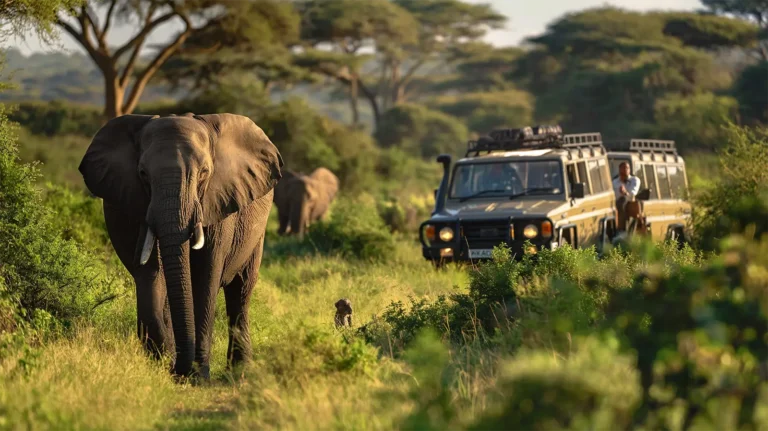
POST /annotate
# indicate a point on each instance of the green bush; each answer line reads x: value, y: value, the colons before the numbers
x: 531, y: 301
x: 307, y: 140
x: 58, y: 118
x: 739, y: 198
x: 694, y: 122
x: 354, y: 229
x: 420, y: 131
x: 43, y: 273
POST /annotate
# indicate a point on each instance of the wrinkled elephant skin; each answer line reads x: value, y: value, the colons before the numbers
x: 186, y: 201
x: 304, y: 199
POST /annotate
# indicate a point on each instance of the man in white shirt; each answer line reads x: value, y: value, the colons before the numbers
x: 625, y: 186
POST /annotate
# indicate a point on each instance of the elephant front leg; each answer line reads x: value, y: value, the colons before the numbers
x: 206, y: 272
x: 152, y: 310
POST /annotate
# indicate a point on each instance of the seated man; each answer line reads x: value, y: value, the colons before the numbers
x: 625, y: 186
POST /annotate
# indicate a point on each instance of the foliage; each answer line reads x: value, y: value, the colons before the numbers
x: 354, y: 230
x: 43, y: 273
x: 751, y: 90
x: 694, y: 122
x: 421, y: 132
x: 738, y: 200
x: 308, y: 140
x: 38, y: 15
x: 57, y: 118
x: 482, y: 112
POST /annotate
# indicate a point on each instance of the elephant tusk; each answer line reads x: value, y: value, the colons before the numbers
x: 149, y: 243
x: 198, y: 237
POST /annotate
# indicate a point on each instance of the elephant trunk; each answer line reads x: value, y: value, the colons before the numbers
x: 172, y: 225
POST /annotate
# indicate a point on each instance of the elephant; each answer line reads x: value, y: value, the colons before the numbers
x: 186, y: 200
x: 304, y: 199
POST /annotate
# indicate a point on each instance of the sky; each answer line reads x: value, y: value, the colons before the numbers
x: 526, y: 18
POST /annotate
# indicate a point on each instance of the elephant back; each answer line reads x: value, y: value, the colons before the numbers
x: 329, y: 181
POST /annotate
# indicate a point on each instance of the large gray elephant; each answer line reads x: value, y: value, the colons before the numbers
x: 186, y: 201
x: 304, y: 199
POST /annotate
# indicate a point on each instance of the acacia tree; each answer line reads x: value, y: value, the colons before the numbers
x: 752, y: 10
x: 126, y: 74
x: 256, y: 41
x: 348, y: 27
x: 445, y: 27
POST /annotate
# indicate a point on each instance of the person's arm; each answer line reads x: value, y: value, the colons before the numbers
x: 634, y: 187
x: 616, y: 186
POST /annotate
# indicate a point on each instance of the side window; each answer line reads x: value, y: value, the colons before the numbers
x: 570, y: 170
x: 582, y: 168
x: 677, y: 181
x: 661, y: 174
x: 606, y: 175
x: 650, y: 181
x: 638, y: 172
x: 596, y: 175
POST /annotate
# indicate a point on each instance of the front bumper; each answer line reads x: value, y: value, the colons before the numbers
x: 472, y: 243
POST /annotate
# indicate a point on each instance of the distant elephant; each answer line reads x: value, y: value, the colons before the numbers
x: 304, y: 199
x: 186, y: 201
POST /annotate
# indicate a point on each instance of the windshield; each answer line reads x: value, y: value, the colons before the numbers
x: 507, y: 178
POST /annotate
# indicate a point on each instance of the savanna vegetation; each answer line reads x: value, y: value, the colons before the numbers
x: 645, y: 337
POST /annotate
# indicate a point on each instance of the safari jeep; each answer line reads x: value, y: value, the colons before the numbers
x: 664, y: 212
x: 514, y: 185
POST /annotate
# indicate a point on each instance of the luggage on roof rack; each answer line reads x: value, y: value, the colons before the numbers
x: 529, y: 138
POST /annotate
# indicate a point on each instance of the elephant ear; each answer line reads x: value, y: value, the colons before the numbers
x: 109, y: 166
x: 246, y: 165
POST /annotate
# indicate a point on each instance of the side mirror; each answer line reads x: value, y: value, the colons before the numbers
x: 644, y: 195
x: 578, y: 190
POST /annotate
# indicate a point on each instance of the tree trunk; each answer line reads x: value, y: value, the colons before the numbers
x: 353, y: 99
x: 113, y: 95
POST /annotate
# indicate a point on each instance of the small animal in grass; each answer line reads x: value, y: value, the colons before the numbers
x: 343, y: 312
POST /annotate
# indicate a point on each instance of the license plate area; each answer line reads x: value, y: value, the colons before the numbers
x: 482, y: 253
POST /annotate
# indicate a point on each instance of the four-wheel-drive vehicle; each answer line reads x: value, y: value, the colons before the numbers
x: 663, y: 211
x: 517, y: 185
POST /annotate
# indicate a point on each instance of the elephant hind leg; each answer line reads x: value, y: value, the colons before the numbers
x: 238, y: 297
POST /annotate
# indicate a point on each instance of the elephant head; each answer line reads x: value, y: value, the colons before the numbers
x: 177, y: 175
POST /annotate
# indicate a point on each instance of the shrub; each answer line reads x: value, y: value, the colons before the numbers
x: 58, y: 118
x: 531, y: 301
x: 420, y: 131
x: 307, y: 140
x: 694, y: 122
x: 738, y: 200
x: 43, y: 273
x: 353, y: 230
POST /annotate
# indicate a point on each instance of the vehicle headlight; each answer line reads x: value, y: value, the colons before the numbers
x: 530, y: 231
x: 446, y: 234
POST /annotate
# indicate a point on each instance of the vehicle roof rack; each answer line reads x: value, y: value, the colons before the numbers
x: 648, y: 145
x: 530, y: 138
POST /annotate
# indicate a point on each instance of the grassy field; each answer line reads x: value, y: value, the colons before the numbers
x: 550, y: 343
x: 304, y: 375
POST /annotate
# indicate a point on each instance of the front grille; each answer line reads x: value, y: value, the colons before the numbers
x: 484, y: 234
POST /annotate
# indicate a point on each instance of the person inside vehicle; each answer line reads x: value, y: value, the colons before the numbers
x: 625, y: 187
x: 501, y: 177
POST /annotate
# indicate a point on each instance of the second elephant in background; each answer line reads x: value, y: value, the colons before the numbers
x: 303, y: 199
